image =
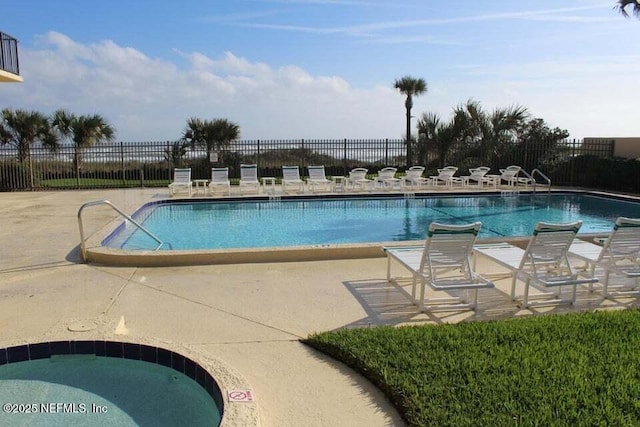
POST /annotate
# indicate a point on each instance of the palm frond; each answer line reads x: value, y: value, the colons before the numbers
x: 411, y: 86
x: 211, y: 134
x: 22, y: 129
x: 623, y: 4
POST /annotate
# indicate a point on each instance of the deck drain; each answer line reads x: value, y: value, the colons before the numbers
x: 82, y: 326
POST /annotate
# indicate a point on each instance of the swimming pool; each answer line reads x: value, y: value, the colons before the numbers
x: 195, y: 225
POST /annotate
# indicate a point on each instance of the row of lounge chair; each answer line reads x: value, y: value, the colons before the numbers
x: 447, y: 263
x: 317, y: 180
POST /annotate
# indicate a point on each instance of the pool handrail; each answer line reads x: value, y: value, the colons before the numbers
x: 528, y: 179
x: 543, y: 176
x: 83, y: 249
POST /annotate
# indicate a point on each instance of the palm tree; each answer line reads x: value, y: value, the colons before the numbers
x: 174, y: 152
x: 83, y: 131
x: 490, y: 132
x: 433, y: 134
x: 211, y: 134
x: 622, y: 7
x: 22, y: 129
x: 410, y: 87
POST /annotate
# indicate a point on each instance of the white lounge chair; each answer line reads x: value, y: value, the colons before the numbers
x: 619, y: 255
x: 181, y: 181
x: 512, y: 176
x: 509, y: 175
x: 445, y: 175
x: 318, y: 178
x: 220, y: 180
x: 543, y: 264
x: 477, y: 175
x: 443, y: 264
x: 386, y: 179
x: 249, y: 178
x: 413, y: 177
x: 291, y: 179
x: 358, y: 179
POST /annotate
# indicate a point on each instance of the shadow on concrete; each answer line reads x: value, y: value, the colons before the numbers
x: 390, y: 304
x: 386, y: 303
x: 74, y: 256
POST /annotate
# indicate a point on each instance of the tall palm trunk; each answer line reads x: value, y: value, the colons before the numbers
x: 409, y: 104
x: 410, y: 86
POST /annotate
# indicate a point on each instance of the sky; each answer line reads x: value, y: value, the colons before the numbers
x: 321, y: 69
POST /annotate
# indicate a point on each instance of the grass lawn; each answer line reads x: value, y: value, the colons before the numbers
x: 557, y: 370
x: 107, y: 183
x: 100, y: 183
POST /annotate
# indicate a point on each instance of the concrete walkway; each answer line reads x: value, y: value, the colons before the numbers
x: 248, y: 316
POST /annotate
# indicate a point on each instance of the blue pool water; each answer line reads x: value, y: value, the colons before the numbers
x: 250, y: 224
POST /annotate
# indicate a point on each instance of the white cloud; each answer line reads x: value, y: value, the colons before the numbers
x: 368, y: 30
x: 150, y: 99
x: 591, y: 96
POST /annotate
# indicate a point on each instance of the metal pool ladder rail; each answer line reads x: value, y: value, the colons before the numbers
x: 83, y: 250
x: 543, y: 176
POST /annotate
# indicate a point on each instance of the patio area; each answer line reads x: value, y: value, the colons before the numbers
x: 248, y: 317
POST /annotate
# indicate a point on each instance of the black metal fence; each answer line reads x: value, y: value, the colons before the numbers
x: 9, y: 54
x: 149, y: 164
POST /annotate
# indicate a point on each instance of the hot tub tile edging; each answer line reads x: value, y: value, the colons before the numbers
x: 115, y: 349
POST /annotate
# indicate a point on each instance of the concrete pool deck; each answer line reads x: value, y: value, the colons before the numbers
x: 250, y: 316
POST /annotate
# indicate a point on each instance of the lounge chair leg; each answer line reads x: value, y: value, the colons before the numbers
x: 593, y: 272
x: 526, y: 294
x: 422, y: 290
x: 388, y: 269
x: 413, y: 291
x: 605, y: 291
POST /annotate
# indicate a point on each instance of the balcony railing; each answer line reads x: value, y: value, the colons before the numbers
x: 9, y: 54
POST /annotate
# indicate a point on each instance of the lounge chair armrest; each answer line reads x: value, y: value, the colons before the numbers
x: 632, y: 272
x: 443, y: 286
x: 571, y: 282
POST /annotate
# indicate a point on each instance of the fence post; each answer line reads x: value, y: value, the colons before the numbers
x: 122, y: 162
x: 573, y: 161
x: 30, y: 171
x: 344, y: 157
x: 386, y: 151
x: 76, y: 162
x: 258, y: 155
